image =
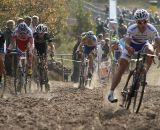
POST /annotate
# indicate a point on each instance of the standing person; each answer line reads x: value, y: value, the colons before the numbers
x: 106, y: 49
x: 9, y: 59
x: 137, y: 39
x: 28, y: 21
x: 34, y: 24
x: 2, y: 67
x: 75, y: 58
x: 100, y: 44
x: 19, y: 20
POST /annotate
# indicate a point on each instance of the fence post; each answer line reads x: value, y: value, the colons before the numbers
x: 62, y: 67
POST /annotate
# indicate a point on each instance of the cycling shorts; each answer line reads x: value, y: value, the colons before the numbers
x: 137, y: 47
x: 88, y: 49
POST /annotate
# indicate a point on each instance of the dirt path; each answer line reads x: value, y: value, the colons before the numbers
x: 67, y: 108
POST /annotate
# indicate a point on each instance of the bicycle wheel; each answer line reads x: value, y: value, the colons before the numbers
x: 18, y: 80
x: 139, y: 92
x: 27, y: 85
x: 126, y: 92
x: 45, y: 79
x: 82, y: 78
x: 3, y: 86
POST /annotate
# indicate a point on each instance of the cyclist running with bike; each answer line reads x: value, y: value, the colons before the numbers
x: 88, y: 46
x: 23, y: 42
x: 137, y: 39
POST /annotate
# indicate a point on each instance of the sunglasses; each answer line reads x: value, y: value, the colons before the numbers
x: 142, y: 22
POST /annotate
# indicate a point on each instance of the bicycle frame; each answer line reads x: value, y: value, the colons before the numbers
x: 132, y: 90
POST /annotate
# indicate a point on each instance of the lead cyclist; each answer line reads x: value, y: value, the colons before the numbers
x: 138, y: 36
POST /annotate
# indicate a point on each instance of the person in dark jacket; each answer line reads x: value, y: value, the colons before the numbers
x: 75, y: 74
x: 10, y: 60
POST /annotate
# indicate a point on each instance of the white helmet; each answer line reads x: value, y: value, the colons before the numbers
x: 141, y: 14
x: 22, y: 27
x: 40, y: 28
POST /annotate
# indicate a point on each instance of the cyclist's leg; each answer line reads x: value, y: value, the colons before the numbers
x: 123, y: 64
x: 148, y: 48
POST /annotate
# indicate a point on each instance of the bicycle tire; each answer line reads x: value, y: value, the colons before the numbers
x: 82, y: 76
x: 82, y: 80
x: 126, y: 91
x: 139, y: 93
x: 18, y: 81
x: 28, y: 83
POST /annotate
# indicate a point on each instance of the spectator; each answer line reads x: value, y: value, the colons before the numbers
x: 10, y: 60
x: 122, y: 30
x: 35, y: 22
x: 19, y: 20
x: 105, y: 49
x: 76, y: 71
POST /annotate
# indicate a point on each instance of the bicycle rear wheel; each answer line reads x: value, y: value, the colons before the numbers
x: 82, y: 78
x: 139, y: 92
x: 18, y: 81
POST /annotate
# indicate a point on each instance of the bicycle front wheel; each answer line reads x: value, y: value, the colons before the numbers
x: 18, y: 81
x: 139, y: 92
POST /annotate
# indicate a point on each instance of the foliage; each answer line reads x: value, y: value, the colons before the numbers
x: 84, y: 20
x: 51, y: 12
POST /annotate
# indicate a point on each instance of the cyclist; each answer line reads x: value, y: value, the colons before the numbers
x: 137, y: 39
x: 42, y: 40
x: 88, y: 46
x: 2, y: 68
x: 23, y: 41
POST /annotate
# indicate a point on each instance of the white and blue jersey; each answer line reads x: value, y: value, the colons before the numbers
x: 139, y: 39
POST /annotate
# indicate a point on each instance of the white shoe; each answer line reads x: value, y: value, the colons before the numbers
x: 111, y: 98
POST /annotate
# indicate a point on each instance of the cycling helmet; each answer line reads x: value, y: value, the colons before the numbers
x: 46, y: 28
x: 83, y: 34
x: 22, y: 27
x: 114, y: 40
x: 40, y: 28
x: 89, y: 34
x: 141, y: 14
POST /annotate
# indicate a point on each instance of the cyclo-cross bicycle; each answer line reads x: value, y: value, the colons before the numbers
x: 133, y: 90
x: 42, y: 73
x: 21, y: 79
x: 84, y: 65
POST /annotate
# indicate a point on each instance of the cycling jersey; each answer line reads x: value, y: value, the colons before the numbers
x: 141, y: 38
x: 23, y: 40
x: 41, y: 43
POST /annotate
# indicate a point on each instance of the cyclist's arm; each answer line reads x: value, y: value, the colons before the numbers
x: 128, y: 47
x: 31, y: 45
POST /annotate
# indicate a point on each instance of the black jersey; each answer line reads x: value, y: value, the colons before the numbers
x: 41, y: 43
x: 2, y: 41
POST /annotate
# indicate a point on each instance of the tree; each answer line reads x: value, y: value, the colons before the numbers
x: 84, y: 20
x: 51, y: 12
